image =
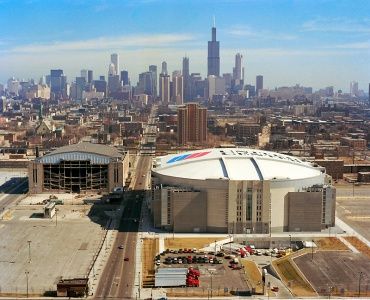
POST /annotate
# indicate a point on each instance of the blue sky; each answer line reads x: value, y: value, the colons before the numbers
x: 312, y: 42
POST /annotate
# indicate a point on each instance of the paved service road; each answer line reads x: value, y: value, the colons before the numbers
x: 118, y: 278
x: 14, y: 194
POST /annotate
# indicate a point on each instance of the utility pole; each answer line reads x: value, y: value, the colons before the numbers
x: 211, y: 284
x: 29, y: 251
x: 139, y: 284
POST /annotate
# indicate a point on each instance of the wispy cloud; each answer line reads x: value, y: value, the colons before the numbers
x: 287, y: 52
x: 106, y: 43
x: 247, y: 31
x: 342, y: 25
x: 357, y: 45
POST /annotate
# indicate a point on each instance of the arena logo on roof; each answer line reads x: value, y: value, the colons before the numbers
x: 187, y: 156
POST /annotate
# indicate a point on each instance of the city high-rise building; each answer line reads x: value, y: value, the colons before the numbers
x: 369, y: 93
x: 84, y: 74
x: 197, y: 86
x: 259, y: 84
x: 237, y: 71
x: 215, y: 86
x: 191, y: 124
x: 114, y: 58
x: 186, y: 76
x: 90, y: 76
x: 2, y: 101
x: 177, y: 88
x: 164, y: 88
x: 57, y: 83
x: 124, y: 78
x: 13, y: 86
x: 153, y: 69
x: 111, y: 69
x: 101, y: 85
x: 228, y: 79
x: 80, y: 86
x: 353, y: 88
x: 145, y: 85
x: 213, y: 55
x: 164, y: 68
x: 114, y: 83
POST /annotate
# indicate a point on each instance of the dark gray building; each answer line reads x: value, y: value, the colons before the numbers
x: 57, y: 83
x: 259, y: 84
x: 113, y: 83
x: 101, y: 85
x: 213, y: 55
x: 186, y: 76
x: 153, y: 69
x: 90, y: 76
x: 124, y: 78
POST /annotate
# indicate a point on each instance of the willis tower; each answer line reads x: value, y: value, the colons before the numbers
x: 214, y: 54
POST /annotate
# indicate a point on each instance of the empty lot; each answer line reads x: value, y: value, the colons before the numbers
x: 336, y: 271
x: 355, y: 211
x: 62, y: 249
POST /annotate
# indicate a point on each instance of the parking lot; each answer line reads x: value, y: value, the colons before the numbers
x: 216, y: 273
x: 356, y: 213
x: 55, y: 249
x: 336, y: 272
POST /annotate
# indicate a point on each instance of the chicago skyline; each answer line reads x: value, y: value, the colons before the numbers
x: 288, y: 47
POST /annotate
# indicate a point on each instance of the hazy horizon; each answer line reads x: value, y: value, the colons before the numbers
x: 313, y: 43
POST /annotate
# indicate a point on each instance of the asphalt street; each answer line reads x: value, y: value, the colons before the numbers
x: 118, y: 278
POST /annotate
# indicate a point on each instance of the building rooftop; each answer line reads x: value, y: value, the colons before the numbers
x: 96, y: 153
x: 234, y: 164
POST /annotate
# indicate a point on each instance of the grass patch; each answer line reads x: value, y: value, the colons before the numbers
x: 253, y: 275
x: 181, y: 243
x: 359, y: 245
x: 149, y: 251
x: 291, y: 277
x: 330, y: 243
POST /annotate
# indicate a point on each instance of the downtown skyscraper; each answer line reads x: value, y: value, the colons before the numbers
x: 114, y: 58
x: 237, y: 70
x: 213, y: 55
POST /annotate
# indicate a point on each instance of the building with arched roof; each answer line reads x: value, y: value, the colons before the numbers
x: 240, y: 190
x: 78, y: 168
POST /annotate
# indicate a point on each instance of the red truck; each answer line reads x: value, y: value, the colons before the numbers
x: 192, y: 278
x: 192, y: 282
x: 193, y: 272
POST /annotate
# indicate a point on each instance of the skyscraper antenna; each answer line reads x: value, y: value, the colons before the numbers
x: 214, y: 21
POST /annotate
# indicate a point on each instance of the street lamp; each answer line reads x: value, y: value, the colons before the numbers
x: 211, y: 273
x: 29, y: 251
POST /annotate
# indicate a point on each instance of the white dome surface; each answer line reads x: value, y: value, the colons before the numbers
x: 234, y: 164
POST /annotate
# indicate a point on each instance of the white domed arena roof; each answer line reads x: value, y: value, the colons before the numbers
x: 234, y: 164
